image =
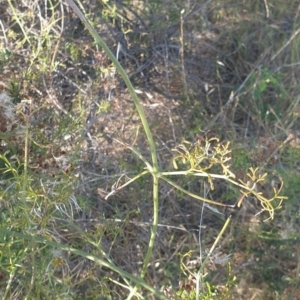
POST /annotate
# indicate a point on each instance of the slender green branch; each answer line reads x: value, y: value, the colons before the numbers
x: 154, y: 169
x: 200, y: 272
x: 125, y: 78
x: 26, y: 38
x: 214, y: 244
x: 154, y: 227
x: 193, y: 195
x: 127, y: 183
x: 137, y: 153
x: 88, y: 256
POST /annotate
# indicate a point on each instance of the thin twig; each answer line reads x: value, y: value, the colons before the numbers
x: 286, y: 44
x: 233, y: 95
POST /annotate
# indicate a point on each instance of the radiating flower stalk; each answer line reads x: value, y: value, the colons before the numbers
x: 209, y: 158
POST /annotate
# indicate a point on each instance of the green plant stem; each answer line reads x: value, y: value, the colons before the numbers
x: 125, y: 78
x: 178, y: 187
x: 88, y: 256
x: 26, y: 38
x: 154, y: 227
x: 184, y: 82
x: 127, y: 183
x: 155, y: 169
x: 215, y: 244
x: 200, y: 272
x: 33, y: 267
x: 26, y: 153
x: 137, y: 153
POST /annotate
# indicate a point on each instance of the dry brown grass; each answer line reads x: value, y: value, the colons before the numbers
x: 241, y: 70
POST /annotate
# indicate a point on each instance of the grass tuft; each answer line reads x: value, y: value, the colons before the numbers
x: 149, y: 149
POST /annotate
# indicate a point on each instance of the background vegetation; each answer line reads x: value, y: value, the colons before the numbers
x: 76, y: 217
